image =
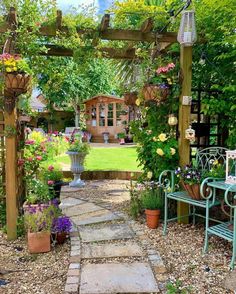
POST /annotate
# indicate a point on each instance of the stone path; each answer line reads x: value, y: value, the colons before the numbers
x: 108, y: 254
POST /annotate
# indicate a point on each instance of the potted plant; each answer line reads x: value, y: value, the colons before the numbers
x: 77, y: 151
x: 121, y: 137
x: 38, y: 195
x: 190, y: 179
x: 38, y: 224
x: 61, y: 227
x: 151, y: 202
x: 52, y: 175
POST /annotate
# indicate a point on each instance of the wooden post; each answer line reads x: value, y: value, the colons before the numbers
x: 11, y: 178
x: 184, y: 118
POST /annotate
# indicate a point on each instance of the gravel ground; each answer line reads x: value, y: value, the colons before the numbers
x: 38, y: 274
x: 181, y: 248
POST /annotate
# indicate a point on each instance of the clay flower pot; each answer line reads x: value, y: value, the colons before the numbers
x: 39, y: 242
x: 152, y: 218
x: 61, y: 237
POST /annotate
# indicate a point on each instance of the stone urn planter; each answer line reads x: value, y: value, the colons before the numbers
x: 77, y: 167
x: 106, y: 137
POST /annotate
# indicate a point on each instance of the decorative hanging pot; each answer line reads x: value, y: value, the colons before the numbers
x: 130, y: 98
x: 17, y: 83
x: 155, y: 92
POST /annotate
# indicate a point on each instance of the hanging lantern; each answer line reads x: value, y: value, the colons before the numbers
x: 172, y: 120
x: 187, y: 35
x: 190, y: 134
x: 230, y: 167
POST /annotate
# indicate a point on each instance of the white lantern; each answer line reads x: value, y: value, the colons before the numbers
x: 230, y: 167
x: 187, y: 35
x: 190, y: 134
x: 172, y: 120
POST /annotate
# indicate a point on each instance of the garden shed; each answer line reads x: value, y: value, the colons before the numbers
x: 105, y: 114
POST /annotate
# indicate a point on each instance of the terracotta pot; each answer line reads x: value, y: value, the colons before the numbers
x: 152, y: 217
x: 154, y: 92
x: 39, y: 242
x: 61, y: 237
x: 130, y: 98
x: 17, y: 83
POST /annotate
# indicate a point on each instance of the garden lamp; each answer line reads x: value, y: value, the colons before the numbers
x: 187, y: 35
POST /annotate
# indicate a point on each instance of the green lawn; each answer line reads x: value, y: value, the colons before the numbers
x: 123, y: 159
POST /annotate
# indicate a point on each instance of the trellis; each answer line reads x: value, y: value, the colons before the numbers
x: 145, y: 34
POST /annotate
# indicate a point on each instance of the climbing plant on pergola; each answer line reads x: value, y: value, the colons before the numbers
x: 160, y: 40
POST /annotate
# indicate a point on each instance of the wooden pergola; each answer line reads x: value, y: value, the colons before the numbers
x: 145, y: 34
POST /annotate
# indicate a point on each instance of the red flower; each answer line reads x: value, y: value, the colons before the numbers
x: 51, y: 167
x: 20, y: 162
x: 29, y: 142
x: 39, y: 157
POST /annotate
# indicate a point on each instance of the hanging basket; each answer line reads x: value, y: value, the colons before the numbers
x: 155, y: 92
x: 130, y: 98
x: 17, y: 83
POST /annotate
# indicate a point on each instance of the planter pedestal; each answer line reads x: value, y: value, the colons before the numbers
x: 77, y: 167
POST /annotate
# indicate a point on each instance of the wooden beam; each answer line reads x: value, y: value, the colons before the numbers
x: 59, y: 20
x: 105, y: 22
x: 133, y: 35
x: 147, y: 26
x: 184, y: 117
x: 106, y: 52
x: 11, y: 178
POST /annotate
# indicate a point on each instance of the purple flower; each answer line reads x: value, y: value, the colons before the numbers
x: 61, y: 224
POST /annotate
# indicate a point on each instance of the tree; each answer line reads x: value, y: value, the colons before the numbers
x: 65, y: 83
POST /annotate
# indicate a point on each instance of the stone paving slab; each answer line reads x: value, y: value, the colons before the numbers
x: 95, y: 217
x: 81, y: 209
x: 117, y: 278
x: 109, y: 232
x: 122, y: 249
x: 67, y: 189
x: 67, y: 202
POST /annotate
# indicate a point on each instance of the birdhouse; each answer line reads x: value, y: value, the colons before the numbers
x: 172, y: 120
x: 230, y: 167
x: 190, y: 134
x: 187, y: 35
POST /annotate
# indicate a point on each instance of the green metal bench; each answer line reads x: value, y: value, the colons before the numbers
x: 204, y: 160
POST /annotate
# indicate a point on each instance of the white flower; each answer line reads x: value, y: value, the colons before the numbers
x: 162, y: 137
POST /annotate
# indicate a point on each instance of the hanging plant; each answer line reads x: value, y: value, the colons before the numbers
x: 9, y: 131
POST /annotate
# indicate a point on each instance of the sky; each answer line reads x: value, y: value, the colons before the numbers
x: 102, y: 5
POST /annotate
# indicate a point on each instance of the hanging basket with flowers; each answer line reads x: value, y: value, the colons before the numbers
x: 130, y: 98
x: 16, y: 74
x: 161, y: 84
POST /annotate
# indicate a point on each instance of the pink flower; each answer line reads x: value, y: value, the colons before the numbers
x: 30, y: 159
x: 29, y: 142
x: 39, y: 157
x: 51, y: 167
x: 50, y: 182
x: 171, y: 65
x: 20, y: 162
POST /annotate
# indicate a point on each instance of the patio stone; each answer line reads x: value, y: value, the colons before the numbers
x: 123, y: 249
x: 67, y: 202
x: 81, y: 209
x: 117, y: 278
x: 95, y: 217
x: 109, y: 232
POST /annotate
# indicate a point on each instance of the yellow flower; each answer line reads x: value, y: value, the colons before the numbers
x: 160, y: 151
x: 149, y: 175
x: 137, y: 102
x: 215, y: 162
x: 155, y: 139
x: 15, y: 68
x: 8, y: 69
x: 172, y: 151
x: 162, y: 137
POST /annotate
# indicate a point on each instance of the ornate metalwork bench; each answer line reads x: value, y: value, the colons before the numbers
x: 204, y: 160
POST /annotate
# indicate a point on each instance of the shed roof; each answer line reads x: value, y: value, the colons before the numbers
x: 104, y: 96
